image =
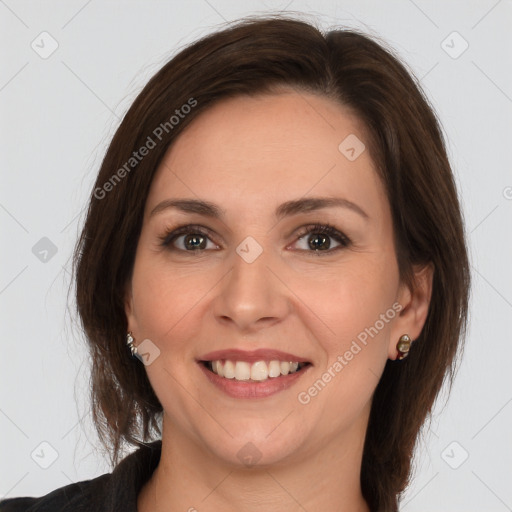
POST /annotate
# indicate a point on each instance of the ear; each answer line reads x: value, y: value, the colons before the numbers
x: 129, y: 309
x: 415, y: 302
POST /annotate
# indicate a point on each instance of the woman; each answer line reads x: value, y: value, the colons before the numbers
x: 275, y: 235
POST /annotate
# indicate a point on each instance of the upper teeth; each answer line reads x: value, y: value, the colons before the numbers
x: 260, y: 370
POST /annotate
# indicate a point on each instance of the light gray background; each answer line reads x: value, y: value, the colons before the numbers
x: 57, y: 116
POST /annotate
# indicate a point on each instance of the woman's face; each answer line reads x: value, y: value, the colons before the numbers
x: 256, y: 281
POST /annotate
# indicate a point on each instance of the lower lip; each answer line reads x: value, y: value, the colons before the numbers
x: 246, y: 389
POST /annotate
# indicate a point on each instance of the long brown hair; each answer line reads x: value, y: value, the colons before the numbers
x: 255, y: 56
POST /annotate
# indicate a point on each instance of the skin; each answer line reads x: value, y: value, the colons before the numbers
x: 248, y: 156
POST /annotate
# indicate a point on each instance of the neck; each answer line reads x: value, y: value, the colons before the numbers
x: 188, y: 479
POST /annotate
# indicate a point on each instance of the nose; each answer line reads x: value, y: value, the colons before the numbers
x: 251, y: 297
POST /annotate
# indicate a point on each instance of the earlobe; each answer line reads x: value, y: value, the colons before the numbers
x: 415, y: 301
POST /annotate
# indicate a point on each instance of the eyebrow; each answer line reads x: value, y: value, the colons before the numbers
x: 286, y: 209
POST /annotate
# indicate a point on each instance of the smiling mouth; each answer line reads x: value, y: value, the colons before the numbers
x: 258, y: 371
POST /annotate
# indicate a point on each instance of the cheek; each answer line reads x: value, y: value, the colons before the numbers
x: 352, y: 298
x: 357, y: 307
x: 167, y: 301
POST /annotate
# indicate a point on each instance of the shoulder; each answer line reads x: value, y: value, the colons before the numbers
x: 109, y: 492
x: 77, y: 496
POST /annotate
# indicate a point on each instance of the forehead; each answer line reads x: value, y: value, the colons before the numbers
x: 248, y: 152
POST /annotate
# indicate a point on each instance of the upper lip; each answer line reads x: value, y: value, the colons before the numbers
x: 252, y: 356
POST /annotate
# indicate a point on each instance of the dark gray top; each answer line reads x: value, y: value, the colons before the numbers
x: 111, y: 492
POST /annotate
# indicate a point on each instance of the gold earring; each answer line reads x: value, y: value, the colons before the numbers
x: 403, y: 346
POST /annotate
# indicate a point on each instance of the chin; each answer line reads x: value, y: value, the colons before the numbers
x: 260, y: 445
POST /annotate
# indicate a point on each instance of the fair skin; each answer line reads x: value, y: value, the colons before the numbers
x: 248, y: 156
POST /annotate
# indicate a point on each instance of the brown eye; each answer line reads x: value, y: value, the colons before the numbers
x: 320, y: 237
x: 319, y: 241
x: 195, y: 241
x: 188, y: 239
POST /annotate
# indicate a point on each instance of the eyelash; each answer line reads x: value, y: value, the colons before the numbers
x: 325, y: 229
